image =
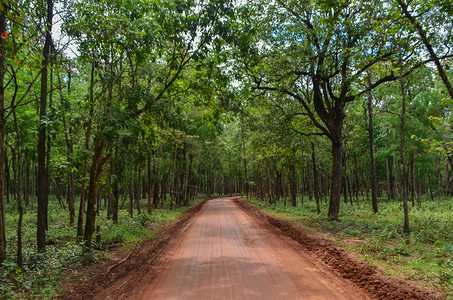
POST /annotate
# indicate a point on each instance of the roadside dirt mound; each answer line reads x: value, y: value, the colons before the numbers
x: 139, y: 266
x: 343, y: 263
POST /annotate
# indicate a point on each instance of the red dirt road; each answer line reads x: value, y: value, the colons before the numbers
x: 228, y: 249
x: 227, y: 254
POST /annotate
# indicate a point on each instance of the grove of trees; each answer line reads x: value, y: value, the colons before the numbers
x: 110, y: 102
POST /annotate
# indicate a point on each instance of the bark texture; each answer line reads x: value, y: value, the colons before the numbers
x: 3, y: 14
x: 43, y: 197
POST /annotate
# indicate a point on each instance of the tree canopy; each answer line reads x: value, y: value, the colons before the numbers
x: 143, y: 99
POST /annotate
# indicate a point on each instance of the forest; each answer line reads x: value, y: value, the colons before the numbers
x: 116, y: 115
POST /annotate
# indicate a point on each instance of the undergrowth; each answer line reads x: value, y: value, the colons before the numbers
x: 42, y: 273
x: 424, y: 257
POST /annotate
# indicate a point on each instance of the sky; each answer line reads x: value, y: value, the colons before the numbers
x: 60, y: 40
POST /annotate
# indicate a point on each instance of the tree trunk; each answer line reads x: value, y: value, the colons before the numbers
x: 137, y: 184
x: 131, y: 193
x: 269, y: 183
x: 374, y: 184
x: 186, y: 179
x: 337, y: 164
x: 163, y: 188
x: 406, y: 228
x: 93, y: 189
x: 302, y: 186
x: 49, y: 138
x: 350, y: 189
x: 144, y: 187
x: 70, y: 197
x: 156, y: 181
x: 413, y: 179
x: 109, y: 193
x: 190, y: 183
x: 293, y: 185
x: 116, y: 200
x: 3, y: 14
x: 42, y: 167
x: 13, y: 167
x: 356, y: 180
x: 150, y: 186
x: 245, y: 169
x: 70, y: 150
x: 173, y: 185
x: 315, y: 178
x: 7, y: 173
x: 83, y: 193
x: 20, y: 209
x: 108, y: 201
x: 345, y: 189
x: 387, y: 174
x: 27, y: 182
x: 115, y: 190
x: 310, y: 187
x: 98, y: 201
x: 447, y: 178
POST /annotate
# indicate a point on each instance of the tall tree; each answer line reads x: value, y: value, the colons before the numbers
x: 370, y: 128
x: 69, y: 143
x: 3, y: 17
x: 403, y: 174
x: 19, y: 260
x: 43, y: 196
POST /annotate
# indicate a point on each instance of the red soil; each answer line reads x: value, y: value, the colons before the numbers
x: 227, y: 249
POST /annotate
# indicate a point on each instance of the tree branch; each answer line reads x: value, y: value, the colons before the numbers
x: 310, y: 114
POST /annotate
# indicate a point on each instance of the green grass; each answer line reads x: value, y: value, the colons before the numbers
x: 42, y: 272
x: 424, y: 257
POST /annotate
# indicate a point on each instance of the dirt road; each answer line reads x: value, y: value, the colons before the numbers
x: 227, y: 249
x: 227, y: 254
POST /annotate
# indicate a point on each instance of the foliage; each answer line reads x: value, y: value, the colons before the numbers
x: 172, y: 99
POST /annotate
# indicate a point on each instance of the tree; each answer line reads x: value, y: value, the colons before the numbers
x: 436, y: 38
x: 317, y: 54
x: 427, y: 37
x: 43, y: 196
x: 403, y: 177
x: 67, y: 128
x: 3, y: 17
x: 374, y: 184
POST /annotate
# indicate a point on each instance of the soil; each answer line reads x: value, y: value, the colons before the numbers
x: 120, y: 273
x: 227, y: 249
